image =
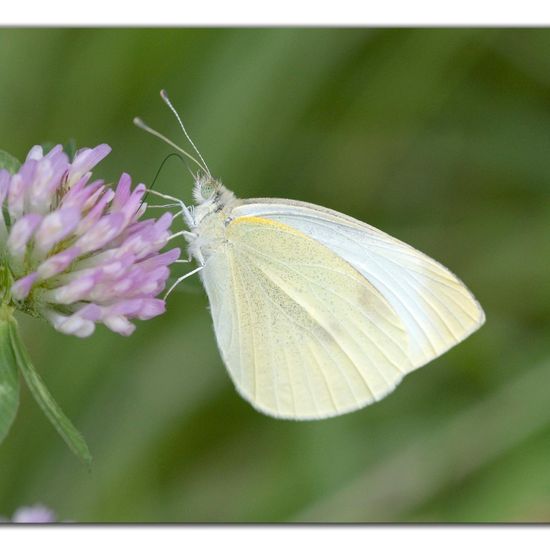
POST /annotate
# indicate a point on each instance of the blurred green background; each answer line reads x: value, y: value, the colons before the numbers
x: 440, y: 137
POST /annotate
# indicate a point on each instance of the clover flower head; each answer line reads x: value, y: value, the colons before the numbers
x: 32, y: 514
x: 76, y: 252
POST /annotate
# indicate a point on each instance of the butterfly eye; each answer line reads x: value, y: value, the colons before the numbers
x: 207, y: 189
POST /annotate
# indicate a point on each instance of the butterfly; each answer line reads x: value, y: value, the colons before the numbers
x: 315, y: 313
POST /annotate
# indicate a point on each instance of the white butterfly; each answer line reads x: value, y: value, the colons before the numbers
x: 316, y: 313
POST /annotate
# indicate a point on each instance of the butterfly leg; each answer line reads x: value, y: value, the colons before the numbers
x: 180, y: 279
x: 185, y: 210
x: 169, y: 205
x: 190, y: 237
x: 187, y: 234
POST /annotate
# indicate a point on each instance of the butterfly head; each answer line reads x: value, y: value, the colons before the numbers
x: 210, y: 193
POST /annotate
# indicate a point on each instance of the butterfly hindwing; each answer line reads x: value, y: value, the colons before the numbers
x: 302, y: 332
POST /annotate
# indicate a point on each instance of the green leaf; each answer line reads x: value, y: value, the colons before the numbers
x: 70, y: 149
x: 9, y: 379
x: 8, y: 162
x: 61, y: 423
x: 47, y: 146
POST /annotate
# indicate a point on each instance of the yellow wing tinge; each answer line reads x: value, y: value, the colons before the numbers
x: 255, y: 220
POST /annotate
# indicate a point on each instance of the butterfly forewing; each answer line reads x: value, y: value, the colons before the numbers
x: 301, y: 331
x: 434, y: 306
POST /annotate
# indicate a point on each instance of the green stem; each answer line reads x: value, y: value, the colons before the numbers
x: 61, y: 423
x: 9, y: 377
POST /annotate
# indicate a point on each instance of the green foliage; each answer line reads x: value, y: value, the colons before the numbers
x: 9, y: 162
x: 9, y: 379
x: 437, y: 136
x: 14, y: 359
x: 69, y: 147
x: 43, y: 397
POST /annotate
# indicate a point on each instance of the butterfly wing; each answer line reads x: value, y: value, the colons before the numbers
x: 435, y: 307
x: 303, y: 334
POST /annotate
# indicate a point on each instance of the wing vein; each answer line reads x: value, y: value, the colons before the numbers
x: 333, y: 338
x: 307, y: 330
x: 352, y: 305
x: 257, y: 252
x: 239, y: 319
x: 403, y: 249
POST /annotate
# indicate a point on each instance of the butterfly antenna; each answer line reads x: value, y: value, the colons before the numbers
x: 160, y: 170
x: 166, y: 100
x: 140, y: 124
